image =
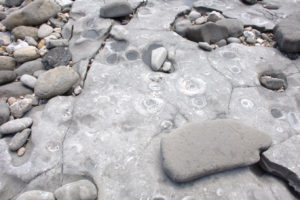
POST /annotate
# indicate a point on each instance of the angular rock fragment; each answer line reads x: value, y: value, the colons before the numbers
x: 287, y: 33
x: 15, y: 126
x: 36, y: 194
x: 201, y: 149
x: 283, y: 160
x: 4, y: 112
x: 158, y: 57
x: 78, y: 190
x: 116, y: 9
x: 19, y: 139
x: 56, y: 81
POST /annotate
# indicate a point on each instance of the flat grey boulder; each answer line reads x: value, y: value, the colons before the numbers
x: 4, y: 112
x: 35, y: 13
x: 283, y: 160
x: 19, y: 139
x: 7, y: 63
x: 36, y: 195
x: 116, y: 9
x: 201, y: 149
x: 234, y: 27
x: 15, y: 126
x: 55, y: 82
x: 287, y: 34
x: 7, y: 76
x: 78, y: 190
x: 30, y: 67
x: 208, y: 32
x: 14, y: 89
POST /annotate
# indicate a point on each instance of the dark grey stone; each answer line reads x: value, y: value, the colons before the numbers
x: 273, y: 80
x: 116, y: 9
x: 15, y: 126
x: 287, y: 34
x: 7, y: 63
x: 30, y: 67
x: 36, y: 194
x: 78, y: 190
x: 58, y: 56
x: 15, y: 89
x: 11, y: 3
x: 201, y: 149
x: 4, y: 112
x: 249, y: 2
x: 21, y: 32
x: 234, y: 27
x: 209, y: 32
x: 283, y: 160
x: 7, y: 76
x: 35, y: 13
x: 54, y: 82
x: 19, y: 139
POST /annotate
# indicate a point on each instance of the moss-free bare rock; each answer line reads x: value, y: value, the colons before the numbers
x: 21, y: 32
x: 201, y: 149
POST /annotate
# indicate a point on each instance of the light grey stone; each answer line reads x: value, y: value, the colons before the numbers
x: 28, y: 80
x: 26, y: 54
x: 36, y: 194
x: 19, y: 108
x: 15, y: 126
x: 201, y: 149
x: 158, y: 57
x: 193, y: 15
x: 214, y: 16
x: 118, y: 32
x: 14, y: 89
x: 205, y: 46
x: 5, y: 38
x: 7, y: 63
x: 64, y: 3
x: 7, y: 76
x: 4, y: 112
x: 201, y: 20
x: 250, y: 40
x: 167, y: 66
x: 233, y: 40
x: 78, y: 190
x: 30, y: 67
x: 44, y: 31
x: 16, y: 45
x: 21, y: 32
x: 55, y: 82
x: 31, y: 41
x: 19, y: 139
x: 283, y: 160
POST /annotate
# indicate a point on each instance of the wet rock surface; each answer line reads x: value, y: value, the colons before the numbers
x: 106, y: 123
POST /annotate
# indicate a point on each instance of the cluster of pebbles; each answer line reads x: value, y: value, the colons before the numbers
x: 35, y: 63
x: 213, y: 30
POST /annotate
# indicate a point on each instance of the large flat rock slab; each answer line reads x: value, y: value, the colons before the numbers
x: 201, y: 149
x: 283, y: 160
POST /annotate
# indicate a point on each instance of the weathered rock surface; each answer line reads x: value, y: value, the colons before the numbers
x: 283, y: 160
x: 33, y: 14
x: 7, y: 63
x: 7, y: 76
x: 19, y: 108
x: 287, y: 33
x: 18, y: 140
x: 201, y: 149
x: 30, y: 67
x: 78, y: 190
x: 116, y: 9
x: 14, y: 89
x: 55, y: 82
x: 21, y: 32
x: 4, y: 112
x: 36, y: 194
x: 59, y: 56
x: 27, y: 53
x: 15, y: 126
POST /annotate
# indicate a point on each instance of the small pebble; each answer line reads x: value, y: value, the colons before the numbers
x: 21, y: 151
x: 205, y: 46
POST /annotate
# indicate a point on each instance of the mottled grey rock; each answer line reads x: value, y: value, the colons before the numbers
x: 57, y: 57
x: 205, y: 46
x: 7, y: 63
x: 21, y: 32
x: 35, y: 13
x: 158, y: 57
x: 15, y: 126
x: 26, y: 54
x: 116, y: 9
x: 249, y: 2
x: 56, y: 43
x: 18, y: 140
x: 78, y: 190
x: 283, y: 160
x: 234, y: 27
x: 44, y: 30
x: 287, y: 33
x: 19, y: 108
x: 28, y: 80
x: 31, y: 41
x: 36, y: 195
x: 4, y: 112
x: 7, y: 76
x: 214, y: 16
x: 208, y: 32
x: 201, y: 149
x: 11, y: 3
x: 233, y: 40
x: 14, y: 89
x: 30, y: 67
x: 55, y: 82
